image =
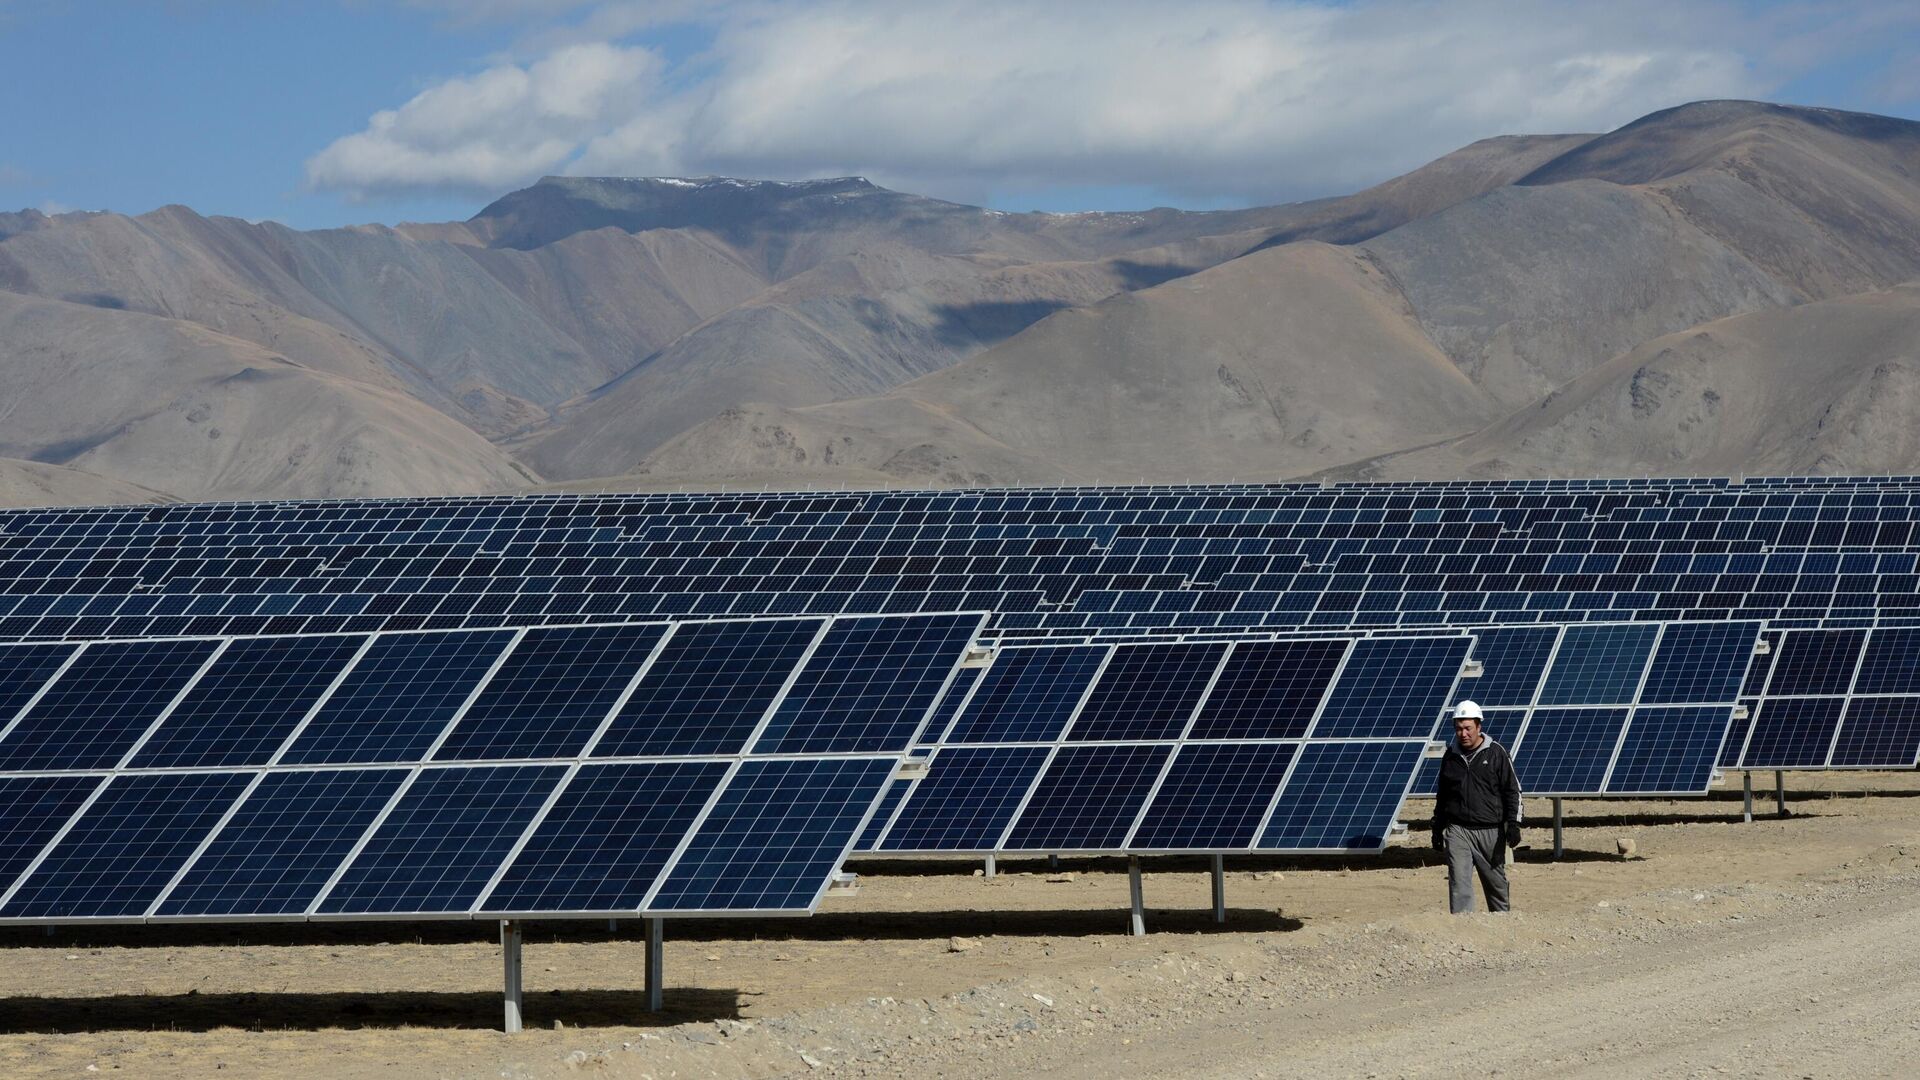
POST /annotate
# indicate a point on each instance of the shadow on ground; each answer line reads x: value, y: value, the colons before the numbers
x: 314, y: 1012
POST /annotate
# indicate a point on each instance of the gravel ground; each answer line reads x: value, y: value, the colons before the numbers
x: 1781, y: 947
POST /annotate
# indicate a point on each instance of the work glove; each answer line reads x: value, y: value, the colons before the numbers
x: 1439, y: 840
x: 1513, y: 834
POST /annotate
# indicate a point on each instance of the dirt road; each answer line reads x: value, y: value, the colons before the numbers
x: 1772, y: 948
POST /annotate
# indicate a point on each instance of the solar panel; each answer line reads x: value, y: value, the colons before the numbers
x: 399, y: 697
x: 779, y: 831
x: 1028, y: 695
x: 1837, y: 699
x: 709, y: 688
x: 101, y: 706
x: 214, y: 821
x: 868, y: 685
x: 1342, y: 796
x: 1147, y: 692
x: 551, y: 695
x: 1606, y: 682
x: 1144, y: 559
x: 246, y: 704
x: 1177, y: 782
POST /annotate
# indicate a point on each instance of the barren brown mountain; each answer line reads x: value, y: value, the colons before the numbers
x: 1478, y: 315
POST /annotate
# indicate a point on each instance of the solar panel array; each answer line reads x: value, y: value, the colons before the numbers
x: 1047, y: 561
x: 1251, y: 745
x: 615, y: 769
x: 1619, y: 709
x: 1833, y: 699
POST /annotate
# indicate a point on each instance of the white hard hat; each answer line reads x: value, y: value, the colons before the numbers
x: 1466, y: 709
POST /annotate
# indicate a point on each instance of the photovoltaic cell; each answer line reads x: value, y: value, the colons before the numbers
x: 556, y: 687
x: 1892, y: 662
x: 1699, y: 662
x: 1269, y: 690
x: 101, y: 706
x: 967, y: 799
x: 443, y: 840
x: 283, y: 843
x: 247, y: 703
x: 398, y: 699
x: 1147, y: 692
x: 708, y: 688
x: 1214, y: 796
x: 1883, y: 732
x: 1028, y: 695
x: 1087, y: 798
x: 1341, y: 796
x: 1793, y: 733
x: 1816, y: 662
x: 607, y: 838
x: 778, y: 831
x: 1567, y: 749
x: 1669, y: 748
x: 869, y: 686
x: 32, y: 809
x: 125, y: 848
x: 1599, y: 665
x: 1392, y: 688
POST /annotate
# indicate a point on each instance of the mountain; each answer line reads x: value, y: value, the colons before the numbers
x: 1529, y: 289
x: 1219, y: 373
x: 662, y: 331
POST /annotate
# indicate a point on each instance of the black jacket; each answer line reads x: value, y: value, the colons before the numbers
x: 1478, y: 790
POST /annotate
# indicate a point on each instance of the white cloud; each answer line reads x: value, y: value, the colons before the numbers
x: 503, y: 126
x: 1211, y: 99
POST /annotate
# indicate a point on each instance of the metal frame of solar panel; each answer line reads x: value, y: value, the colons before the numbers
x: 1832, y: 700
x: 1276, y: 745
x: 171, y: 780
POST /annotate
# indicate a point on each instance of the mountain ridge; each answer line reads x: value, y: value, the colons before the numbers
x: 673, y: 330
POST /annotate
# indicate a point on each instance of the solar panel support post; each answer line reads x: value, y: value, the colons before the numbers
x: 990, y: 869
x: 1746, y: 790
x: 510, y: 951
x: 1559, y: 829
x: 1138, y: 925
x: 656, y: 947
x: 1219, y: 888
x: 1053, y: 861
x: 1780, y: 791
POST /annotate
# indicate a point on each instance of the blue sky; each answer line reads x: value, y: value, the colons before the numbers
x: 331, y: 112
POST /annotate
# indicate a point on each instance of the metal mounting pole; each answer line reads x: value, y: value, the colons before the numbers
x: 1138, y: 927
x: 656, y: 963
x: 1746, y: 792
x: 1559, y: 830
x: 510, y: 950
x: 1053, y: 862
x: 1220, y: 888
x: 613, y: 926
x: 991, y: 868
x: 1780, y: 791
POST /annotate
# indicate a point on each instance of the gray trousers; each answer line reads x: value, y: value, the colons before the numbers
x: 1470, y: 852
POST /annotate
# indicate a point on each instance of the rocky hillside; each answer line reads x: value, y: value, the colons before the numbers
x: 1721, y: 286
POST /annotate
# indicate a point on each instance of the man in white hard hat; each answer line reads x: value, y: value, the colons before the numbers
x: 1476, y: 814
